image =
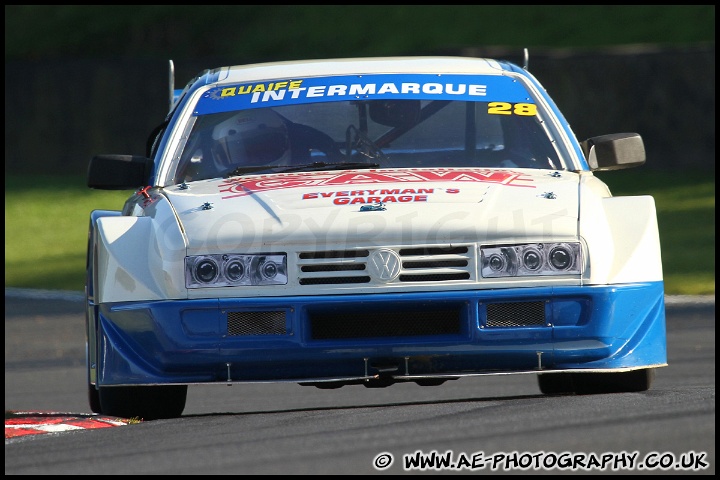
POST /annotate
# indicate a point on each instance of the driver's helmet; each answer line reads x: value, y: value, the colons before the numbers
x: 251, y: 137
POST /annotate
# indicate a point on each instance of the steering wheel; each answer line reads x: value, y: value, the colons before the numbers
x: 358, y: 140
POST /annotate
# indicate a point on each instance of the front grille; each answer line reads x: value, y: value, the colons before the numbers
x: 434, y: 250
x: 334, y: 280
x: 429, y: 264
x: 386, y: 323
x: 256, y: 323
x: 435, y: 277
x: 516, y: 314
x: 333, y: 254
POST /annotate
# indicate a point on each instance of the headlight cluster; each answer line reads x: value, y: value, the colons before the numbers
x: 530, y: 259
x: 229, y: 270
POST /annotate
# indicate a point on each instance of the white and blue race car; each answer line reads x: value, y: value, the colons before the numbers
x: 368, y: 221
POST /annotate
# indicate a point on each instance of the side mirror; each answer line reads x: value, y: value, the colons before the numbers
x: 118, y: 172
x: 614, y: 152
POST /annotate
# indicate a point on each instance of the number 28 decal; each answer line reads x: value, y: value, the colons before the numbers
x: 504, y: 108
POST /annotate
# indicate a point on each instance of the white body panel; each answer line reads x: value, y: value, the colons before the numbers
x: 359, y: 66
x: 300, y: 210
x: 140, y: 258
x: 622, y: 238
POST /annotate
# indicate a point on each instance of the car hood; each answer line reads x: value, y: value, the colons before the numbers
x: 376, y: 207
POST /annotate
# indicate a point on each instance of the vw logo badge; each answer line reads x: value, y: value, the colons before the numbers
x: 384, y: 265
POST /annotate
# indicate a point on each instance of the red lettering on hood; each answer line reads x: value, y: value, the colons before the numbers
x: 239, y: 187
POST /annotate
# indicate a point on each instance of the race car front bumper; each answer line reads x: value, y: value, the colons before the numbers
x: 397, y: 336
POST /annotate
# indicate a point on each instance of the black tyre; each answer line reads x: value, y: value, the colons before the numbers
x: 431, y: 382
x: 556, y: 383
x: 143, y: 402
x: 596, y: 383
x: 633, y: 381
x: 94, y: 399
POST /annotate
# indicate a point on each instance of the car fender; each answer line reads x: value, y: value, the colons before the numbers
x: 622, y: 237
x: 140, y: 258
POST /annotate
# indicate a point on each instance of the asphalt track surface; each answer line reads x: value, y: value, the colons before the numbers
x: 289, y: 429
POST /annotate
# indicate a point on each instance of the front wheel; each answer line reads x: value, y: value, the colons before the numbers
x: 94, y: 399
x: 144, y: 402
x: 596, y: 383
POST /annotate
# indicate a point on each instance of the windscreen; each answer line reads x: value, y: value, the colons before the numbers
x: 386, y: 121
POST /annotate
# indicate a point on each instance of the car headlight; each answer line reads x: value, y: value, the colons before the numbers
x: 229, y: 270
x: 530, y: 259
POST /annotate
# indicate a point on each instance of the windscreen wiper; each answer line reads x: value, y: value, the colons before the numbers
x: 308, y: 167
x: 249, y: 169
x: 315, y: 166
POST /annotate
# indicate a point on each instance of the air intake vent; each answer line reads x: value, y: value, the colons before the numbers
x: 256, y: 323
x: 516, y: 314
x: 389, y: 323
